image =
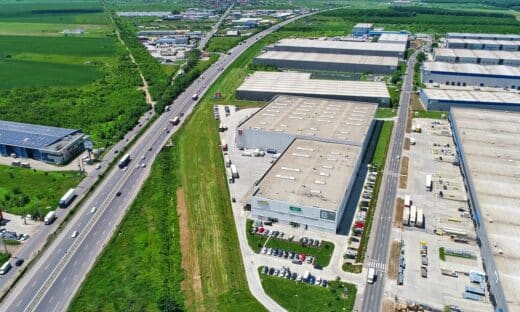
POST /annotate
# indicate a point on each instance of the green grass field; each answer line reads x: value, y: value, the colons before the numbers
x: 24, y: 191
x: 430, y: 114
x: 51, y: 29
x: 4, y: 257
x: 75, y: 46
x: 322, y: 253
x: 222, y: 44
x: 140, y: 269
x: 379, y: 156
x: 293, y: 296
x: 384, y: 112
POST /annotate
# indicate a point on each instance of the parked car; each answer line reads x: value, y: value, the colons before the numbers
x: 318, y: 281
x: 312, y: 280
x: 265, y: 270
x: 299, y: 278
x: 324, y: 283
x: 294, y: 276
x: 264, y: 250
x: 271, y: 271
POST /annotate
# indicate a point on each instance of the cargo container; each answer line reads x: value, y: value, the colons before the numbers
x: 49, y: 217
x: 234, y: 171
x: 66, y: 199
x: 429, y: 182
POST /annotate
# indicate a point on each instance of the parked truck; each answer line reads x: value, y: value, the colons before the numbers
x: 413, y: 215
x: 406, y: 216
x: 429, y: 182
x: 234, y: 171
x: 49, y: 217
x: 407, y: 200
x: 66, y: 199
x: 420, y: 218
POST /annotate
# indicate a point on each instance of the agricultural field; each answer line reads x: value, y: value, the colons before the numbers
x: 338, y: 296
x: 154, y: 5
x: 144, y: 259
x: 26, y: 191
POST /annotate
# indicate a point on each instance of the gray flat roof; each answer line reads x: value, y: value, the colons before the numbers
x: 402, y: 38
x: 485, y: 54
x: 473, y: 69
x: 481, y: 35
x: 311, y: 173
x: 301, y: 83
x: 491, y: 150
x: 363, y: 25
x: 330, y: 58
x: 343, y: 45
x: 30, y: 135
x: 499, y: 97
x: 320, y: 118
x: 484, y: 41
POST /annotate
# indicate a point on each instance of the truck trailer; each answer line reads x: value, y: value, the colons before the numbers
x: 429, y: 182
x: 420, y: 218
x: 234, y: 171
x: 413, y: 215
x: 406, y: 216
x: 124, y: 161
x: 66, y: 199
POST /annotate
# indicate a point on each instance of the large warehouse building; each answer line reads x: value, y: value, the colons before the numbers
x: 393, y: 38
x: 444, y: 99
x: 263, y: 86
x: 497, y: 76
x: 506, y: 45
x: 488, y: 146
x: 510, y: 37
x: 287, y: 118
x: 329, y: 62
x: 308, y: 185
x: 341, y: 47
x: 43, y: 143
x: 483, y: 57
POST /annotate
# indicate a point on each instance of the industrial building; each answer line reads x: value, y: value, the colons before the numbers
x: 287, y: 118
x: 341, y: 47
x: 511, y: 37
x: 444, y: 99
x: 263, y: 86
x: 483, y: 57
x: 308, y: 185
x: 488, y: 147
x: 328, y: 62
x: 43, y: 143
x: 456, y: 74
x: 393, y: 38
x: 362, y: 29
x: 482, y: 44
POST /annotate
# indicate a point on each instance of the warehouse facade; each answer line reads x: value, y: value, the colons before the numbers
x: 263, y: 86
x: 481, y: 44
x: 341, y: 47
x: 444, y: 99
x: 488, y: 150
x: 286, y: 118
x: 328, y: 62
x: 510, y: 37
x: 308, y: 185
x: 497, y: 76
x: 482, y: 57
x: 43, y: 143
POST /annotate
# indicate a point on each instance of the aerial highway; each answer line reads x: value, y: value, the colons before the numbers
x: 52, y: 280
x: 372, y: 298
x: 205, y: 38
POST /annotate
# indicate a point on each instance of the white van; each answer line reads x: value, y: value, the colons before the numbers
x: 5, y: 268
x: 371, y: 275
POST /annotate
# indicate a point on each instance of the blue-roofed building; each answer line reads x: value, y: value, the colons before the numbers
x: 43, y: 143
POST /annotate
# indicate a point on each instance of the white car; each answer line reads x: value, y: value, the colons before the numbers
x: 93, y: 209
x: 143, y: 165
x: 98, y: 166
x: 75, y: 234
x: 318, y: 281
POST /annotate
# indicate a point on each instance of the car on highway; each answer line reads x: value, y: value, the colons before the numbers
x: 143, y: 165
x: 118, y: 193
x: 98, y: 166
x: 19, y: 262
x: 74, y: 234
x: 93, y: 209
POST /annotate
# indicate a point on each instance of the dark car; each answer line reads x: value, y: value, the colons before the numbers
x: 271, y: 271
x: 118, y: 193
x: 18, y: 262
x: 317, y: 267
x: 294, y: 275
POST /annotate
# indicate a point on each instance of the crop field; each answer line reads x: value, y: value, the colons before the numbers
x: 54, y: 11
x: 24, y: 191
x: 51, y: 29
x: 140, y: 269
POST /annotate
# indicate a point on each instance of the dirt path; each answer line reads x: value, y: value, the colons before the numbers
x: 144, y: 88
x: 192, y: 285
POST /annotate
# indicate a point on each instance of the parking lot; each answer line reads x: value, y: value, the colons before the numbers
x: 442, y: 227
x: 16, y: 228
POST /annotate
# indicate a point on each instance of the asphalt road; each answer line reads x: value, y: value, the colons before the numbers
x: 205, y: 38
x: 373, y: 295
x: 52, y: 281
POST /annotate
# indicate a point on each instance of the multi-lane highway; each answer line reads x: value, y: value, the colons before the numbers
x: 51, y: 282
x: 372, y: 298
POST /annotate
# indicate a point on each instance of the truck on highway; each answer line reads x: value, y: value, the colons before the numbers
x: 49, y: 217
x: 66, y: 199
x: 5, y: 267
x: 124, y: 161
x: 234, y: 171
x: 195, y: 97
x: 429, y: 182
x: 175, y: 121
x: 371, y: 277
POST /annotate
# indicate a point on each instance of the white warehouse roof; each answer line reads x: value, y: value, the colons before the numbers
x: 345, y: 45
x: 386, y: 37
x: 473, y: 69
x: 484, y: 54
x: 314, y: 117
x: 475, y: 96
x: 301, y: 83
x: 311, y: 173
x: 483, y: 36
x: 330, y: 58
x: 483, y: 41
